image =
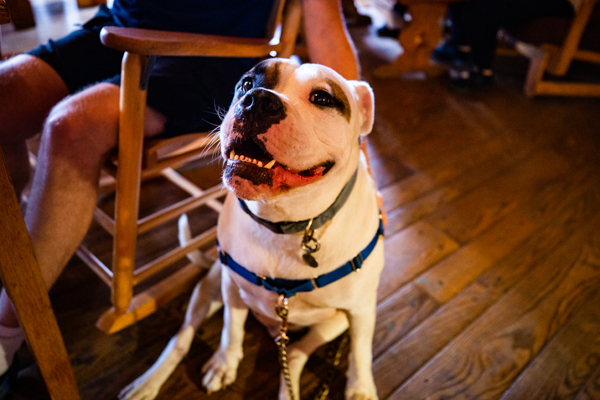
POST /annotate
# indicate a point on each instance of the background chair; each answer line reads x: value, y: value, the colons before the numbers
x: 138, y: 160
x: 549, y: 54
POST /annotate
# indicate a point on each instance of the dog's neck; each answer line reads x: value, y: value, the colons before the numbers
x: 316, y: 221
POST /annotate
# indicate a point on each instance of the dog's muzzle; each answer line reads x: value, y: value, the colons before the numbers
x: 258, y: 110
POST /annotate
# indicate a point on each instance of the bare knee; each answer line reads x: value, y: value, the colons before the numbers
x: 29, y: 88
x: 82, y: 129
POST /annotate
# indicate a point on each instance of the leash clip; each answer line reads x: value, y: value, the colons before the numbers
x: 310, y: 245
x: 282, y: 311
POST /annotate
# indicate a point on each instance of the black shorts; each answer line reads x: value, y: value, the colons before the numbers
x: 186, y: 90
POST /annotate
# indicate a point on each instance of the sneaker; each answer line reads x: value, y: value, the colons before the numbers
x: 448, y: 53
x: 470, y: 80
x: 400, y: 9
x: 385, y: 31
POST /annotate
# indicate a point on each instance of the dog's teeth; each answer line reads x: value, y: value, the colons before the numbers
x: 270, y: 164
x: 259, y: 163
x: 236, y: 158
x: 254, y: 161
x: 232, y: 155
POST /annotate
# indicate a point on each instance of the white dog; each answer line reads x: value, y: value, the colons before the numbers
x: 300, y: 221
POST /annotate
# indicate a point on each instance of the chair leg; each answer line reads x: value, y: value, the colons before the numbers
x: 22, y: 278
x: 538, y: 60
x: 131, y: 134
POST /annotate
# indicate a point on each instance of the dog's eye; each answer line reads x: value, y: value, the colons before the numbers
x: 321, y: 98
x: 246, y: 84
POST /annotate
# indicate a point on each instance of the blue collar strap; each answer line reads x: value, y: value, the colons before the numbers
x: 291, y: 227
x: 289, y: 287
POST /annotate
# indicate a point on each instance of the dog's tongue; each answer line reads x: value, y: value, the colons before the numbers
x: 284, y: 178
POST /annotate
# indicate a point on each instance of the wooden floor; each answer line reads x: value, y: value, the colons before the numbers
x: 491, y: 288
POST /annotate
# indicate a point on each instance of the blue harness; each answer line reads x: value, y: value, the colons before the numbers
x: 289, y: 287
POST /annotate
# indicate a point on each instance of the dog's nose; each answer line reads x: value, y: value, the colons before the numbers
x: 262, y: 101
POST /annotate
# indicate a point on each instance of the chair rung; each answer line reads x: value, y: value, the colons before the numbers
x: 175, y: 161
x: 588, y: 56
x: 178, y: 253
x: 95, y: 264
x: 105, y: 221
x: 179, y: 208
x: 185, y: 184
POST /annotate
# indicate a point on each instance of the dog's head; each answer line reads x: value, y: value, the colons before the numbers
x: 290, y: 127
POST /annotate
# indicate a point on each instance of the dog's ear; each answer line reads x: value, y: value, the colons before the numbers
x: 366, y: 105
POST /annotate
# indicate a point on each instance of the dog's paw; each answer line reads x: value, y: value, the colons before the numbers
x: 140, y: 389
x: 361, y: 390
x: 221, y: 370
x: 361, y: 396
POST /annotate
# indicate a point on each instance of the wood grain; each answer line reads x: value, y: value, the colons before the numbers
x: 489, y: 354
x: 409, y: 253
x: 422, y: 343
x: 568, y: 361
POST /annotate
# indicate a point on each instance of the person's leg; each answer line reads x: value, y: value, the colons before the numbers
x: 456, y: 49
x: 481, y: 19
x: 29, y: 88
x: 77, y: 136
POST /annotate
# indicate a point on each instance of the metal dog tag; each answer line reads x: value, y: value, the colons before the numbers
x: 310, y: 260
x: 310, y: 245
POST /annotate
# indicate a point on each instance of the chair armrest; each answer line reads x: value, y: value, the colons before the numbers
x: 166, y: 43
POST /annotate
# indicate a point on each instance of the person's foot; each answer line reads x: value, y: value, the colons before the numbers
x: 471, y: 79
x: 7, y: 380
x: 400, y: 9
x: 358, y: 20
x: 386, y: 31
x: 448, y: 53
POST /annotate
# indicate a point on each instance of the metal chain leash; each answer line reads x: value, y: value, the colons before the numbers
x: 282, y: 341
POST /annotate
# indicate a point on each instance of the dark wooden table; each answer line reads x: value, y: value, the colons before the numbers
x: 21, y: 13
x: 418, y: 39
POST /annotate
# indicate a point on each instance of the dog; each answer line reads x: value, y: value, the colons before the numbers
x: 300, y: 228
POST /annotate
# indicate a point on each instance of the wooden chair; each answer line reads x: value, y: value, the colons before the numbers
x: 22, y: 278
x: 137, y: 160
x: 556, y: 59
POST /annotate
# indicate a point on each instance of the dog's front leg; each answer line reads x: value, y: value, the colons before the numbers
x: 204, y: 302
x: 360, y: 384
x: 221, y: 370
x: 300, y: 351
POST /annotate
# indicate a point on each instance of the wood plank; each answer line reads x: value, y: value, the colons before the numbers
x: 443, y: 194
x: 448, y: 277
x: 487, y: 356
x: 591, y: 391
x: 468, y: 216
x: 400, y: 313
x: 411, y: 352
x: 449, y: 168
x: 452, y: 274
x: 409, y: 253
x: 569, y: 360
x: 462, y: 170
